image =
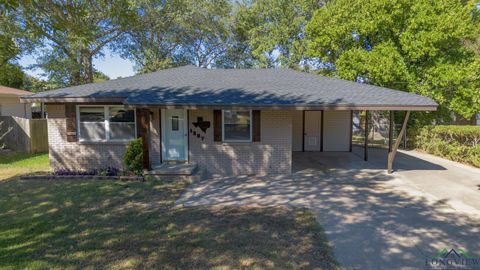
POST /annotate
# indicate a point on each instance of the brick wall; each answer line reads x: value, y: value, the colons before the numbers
x: 272, y: 155
x: 78, y: 155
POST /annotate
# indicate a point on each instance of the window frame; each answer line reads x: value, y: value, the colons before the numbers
x: 237, y: 141
x: 106, y: 122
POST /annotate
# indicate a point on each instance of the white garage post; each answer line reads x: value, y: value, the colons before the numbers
x: 391, y: 155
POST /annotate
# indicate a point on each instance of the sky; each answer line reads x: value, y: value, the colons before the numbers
x: 111, y: 65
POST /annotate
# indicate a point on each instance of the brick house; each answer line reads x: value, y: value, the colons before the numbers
x: 227, y: 121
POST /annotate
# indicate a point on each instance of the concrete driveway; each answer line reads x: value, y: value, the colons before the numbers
x: 373, y: 220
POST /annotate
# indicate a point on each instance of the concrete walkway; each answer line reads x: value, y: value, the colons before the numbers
x: 373, y: 220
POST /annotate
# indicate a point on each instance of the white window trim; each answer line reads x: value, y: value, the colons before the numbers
x: 236, y: 141
x: 106, y: 114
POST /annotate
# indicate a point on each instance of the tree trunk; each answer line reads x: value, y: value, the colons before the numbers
x: 76, y: 75
x: 75, y: 78
x: 87, y: 66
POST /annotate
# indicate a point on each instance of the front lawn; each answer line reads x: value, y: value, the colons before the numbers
x: 131, y: 225
x: 12, y: 164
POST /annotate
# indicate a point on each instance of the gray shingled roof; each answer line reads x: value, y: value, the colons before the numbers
x: 191, y: 85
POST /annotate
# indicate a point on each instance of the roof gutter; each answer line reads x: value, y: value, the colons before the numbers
x: 72, y: 99
x: 332, y: 107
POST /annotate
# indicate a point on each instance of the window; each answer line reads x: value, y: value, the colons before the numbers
x: 236, y: 126
x: 122, y: 123
x: 92, y: 123
x: 174, y: 123
x: 105, y: 123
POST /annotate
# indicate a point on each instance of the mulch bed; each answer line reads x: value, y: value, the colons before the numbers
x: 81, y: 177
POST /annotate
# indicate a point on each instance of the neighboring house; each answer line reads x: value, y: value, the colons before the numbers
x: 228, y: 121
x: 10, y: 103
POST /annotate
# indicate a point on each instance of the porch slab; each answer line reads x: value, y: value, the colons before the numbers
x: 173, y: 169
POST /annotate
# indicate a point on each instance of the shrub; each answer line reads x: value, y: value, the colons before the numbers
x: 134, y: 157
x: 457, y: 143
x: 474, y: 156
x: 109, y: 171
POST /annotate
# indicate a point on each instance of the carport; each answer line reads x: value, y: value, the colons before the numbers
x: 331, y: 130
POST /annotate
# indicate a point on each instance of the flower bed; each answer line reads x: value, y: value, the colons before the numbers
x: 109, y: 173
x: 82, y: 177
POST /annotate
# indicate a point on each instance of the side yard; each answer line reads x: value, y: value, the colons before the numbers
x: 12, y: 164
x: 71, y: 224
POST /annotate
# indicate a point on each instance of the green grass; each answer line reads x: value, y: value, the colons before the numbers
x: 66, y: 224
x: 12, y: 164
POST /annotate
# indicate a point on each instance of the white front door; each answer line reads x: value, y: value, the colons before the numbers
x: 174, y: 139
x: 313, y: 121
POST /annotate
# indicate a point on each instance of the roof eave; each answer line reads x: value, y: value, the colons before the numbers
x: 121, y: 100
x: 373, y: 107
x: 12, y: 95
x: 72, y: 99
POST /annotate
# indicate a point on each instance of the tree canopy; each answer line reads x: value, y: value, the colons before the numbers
x: 412, y: 45
x: 420, y: 46
x: 170, y: 33
x: 67, y: 35
x: 274, y: 30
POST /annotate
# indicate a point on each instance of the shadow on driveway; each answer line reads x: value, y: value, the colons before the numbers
x: 377, y: 161
x: 370, y: 224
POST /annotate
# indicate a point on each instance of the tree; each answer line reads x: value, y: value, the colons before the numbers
x: 274, y: 29
x: 35, y: 85
x: 99, y: 76
x: 177, y: 32
x: 12, y: 76
x: 71, y: 33
x: 8, y: 33
x: 11, y: 38
x: 149, y: 41
x: 412, y: 45
x: 203, y: 31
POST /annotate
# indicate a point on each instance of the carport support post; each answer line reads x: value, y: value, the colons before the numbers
x: 365, y: 147
x: 390, y: 132
x: 391, y: 155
